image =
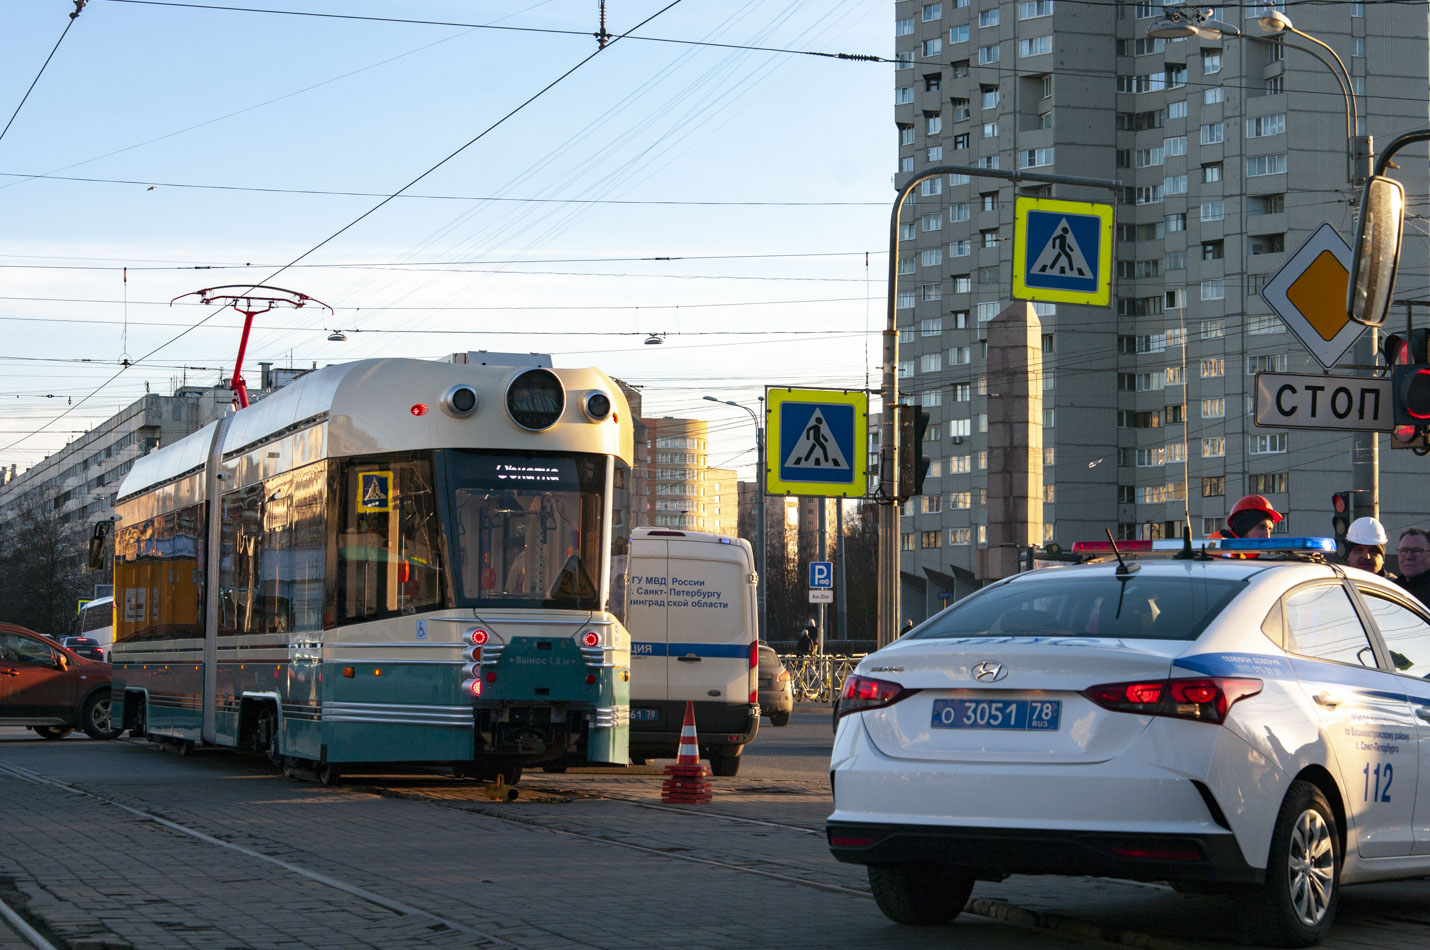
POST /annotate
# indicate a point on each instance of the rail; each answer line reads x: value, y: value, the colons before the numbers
x: 819, y: 678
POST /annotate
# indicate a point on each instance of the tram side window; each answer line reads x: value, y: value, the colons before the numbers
x: 275, y: 554
x: 389, y: 540
x: 159, y: 577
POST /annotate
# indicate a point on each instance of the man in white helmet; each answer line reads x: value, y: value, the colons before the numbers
x: 1365, y: 540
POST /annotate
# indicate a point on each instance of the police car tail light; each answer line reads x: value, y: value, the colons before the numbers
x: 1206, y: 699
x: 865, y: 692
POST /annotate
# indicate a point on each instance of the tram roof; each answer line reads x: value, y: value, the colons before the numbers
x: 367, y: 408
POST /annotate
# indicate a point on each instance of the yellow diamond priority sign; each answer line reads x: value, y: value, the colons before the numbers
x: 1309, y: 294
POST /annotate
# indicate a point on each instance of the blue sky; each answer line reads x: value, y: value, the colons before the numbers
x: 198, y: 146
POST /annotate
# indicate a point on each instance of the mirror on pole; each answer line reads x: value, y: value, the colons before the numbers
x: 1377, y: 251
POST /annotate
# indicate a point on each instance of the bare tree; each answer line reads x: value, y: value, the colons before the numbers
x: 41, y: 568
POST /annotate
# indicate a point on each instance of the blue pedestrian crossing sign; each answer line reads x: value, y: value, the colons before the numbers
x: 816, y: 442
x: 1062, y: 251
x: 374, y: 491
x: 821, y: 575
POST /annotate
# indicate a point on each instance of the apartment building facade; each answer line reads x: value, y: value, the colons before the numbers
x: 1230, y: 153
x: 683, y: 490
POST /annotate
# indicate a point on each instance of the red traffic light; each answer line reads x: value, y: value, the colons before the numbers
x: 1341, y: 502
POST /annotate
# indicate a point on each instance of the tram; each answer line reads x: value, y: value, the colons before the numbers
x: 385, y: 561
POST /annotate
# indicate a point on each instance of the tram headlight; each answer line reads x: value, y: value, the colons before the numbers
x: 597, y: 406
x: 460, y: 401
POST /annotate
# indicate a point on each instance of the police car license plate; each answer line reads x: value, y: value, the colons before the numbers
x: 1039, y: 715
x: 644, y: 715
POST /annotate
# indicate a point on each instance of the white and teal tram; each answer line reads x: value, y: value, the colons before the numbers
x: 385, y: 561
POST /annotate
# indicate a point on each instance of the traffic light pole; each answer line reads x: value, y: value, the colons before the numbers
x: 887, y: 627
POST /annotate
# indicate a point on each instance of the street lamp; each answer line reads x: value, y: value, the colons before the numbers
x: 1178, y: 23
x: 759, y: 505
x: 1358, y: 147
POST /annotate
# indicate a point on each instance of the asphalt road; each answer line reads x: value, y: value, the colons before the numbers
x: 121, y: 845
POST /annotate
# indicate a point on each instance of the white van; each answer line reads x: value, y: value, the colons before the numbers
x: 694, y: 621
x: 96, y: 621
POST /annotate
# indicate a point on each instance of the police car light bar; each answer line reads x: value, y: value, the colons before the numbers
x: 1228, y: 545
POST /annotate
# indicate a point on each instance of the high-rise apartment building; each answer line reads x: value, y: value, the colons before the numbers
x: 683, y: 490
x: 1231, y: 152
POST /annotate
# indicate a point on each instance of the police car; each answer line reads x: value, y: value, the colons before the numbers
x: 1251, y: 724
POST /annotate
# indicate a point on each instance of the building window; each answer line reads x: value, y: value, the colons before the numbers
x: 1213, y: 250
x: 1270, y: 483
x: 932, y: 46
x: 962, y: 284
x: 1213, y: 367
x: 931, y: 186
x: 906, y: 135
x: 1265, y: 165
x: 1177, y: 110
x: 990, y: 130
x: 1258, y: 126
x: 1211, y: 61
x: 1031, y: 9
x: 934, y: 154
x: 1274, y: 86
x: 906, y: 542
x: 958, y: 212
x: 933, y: 123
x: 932, y: 11
x: 1266, y: 363
x: 960, y: 141
x: 958, y: 535
x: 1214, y: 289
x: 989, y: 96
x: 1212, y: 133
x: 958, y: 34
x: 930, y: 363
x: 960, y: 248
x: 1214, y: 447
x: 904, y: 27
x: 1035, y: 157
x: 1213, y: 210
x: 1213, y: 486
x: 988, y: 55
x: 1273, y: 443
x: 988, y: 17
x: 1035, y: 46
x: 1266, y: 244
x: 1214, y: 408
x: 930, y: 326
x: 1213, y: 329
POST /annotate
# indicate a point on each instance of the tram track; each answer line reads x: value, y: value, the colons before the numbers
x: 327, y: 880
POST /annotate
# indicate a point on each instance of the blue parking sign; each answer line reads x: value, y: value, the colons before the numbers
x: 821, y: 575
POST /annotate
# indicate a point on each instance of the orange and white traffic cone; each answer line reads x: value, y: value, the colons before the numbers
x: 688, y: 780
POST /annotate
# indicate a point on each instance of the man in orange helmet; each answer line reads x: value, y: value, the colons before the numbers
x: 1251, y: 517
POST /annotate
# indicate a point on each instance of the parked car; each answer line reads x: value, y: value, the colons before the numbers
x: 1250, y: 726
x: 87, y: 647
x: 50, y: 688
x: 776, y: 693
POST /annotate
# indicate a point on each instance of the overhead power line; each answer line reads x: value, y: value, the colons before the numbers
x: 78, y: 6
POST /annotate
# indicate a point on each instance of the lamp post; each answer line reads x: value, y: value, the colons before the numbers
x: 759, y: 505
x: 1178, y: 22
x: 1365, y: 446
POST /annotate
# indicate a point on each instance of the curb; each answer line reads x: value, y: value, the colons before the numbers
x: 1056, y: 923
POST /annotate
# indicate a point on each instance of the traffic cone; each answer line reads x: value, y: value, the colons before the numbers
x: 688, y: 780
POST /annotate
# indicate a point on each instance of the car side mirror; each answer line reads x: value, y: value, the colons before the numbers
x: 1377, y: 251
x: 62, y: 662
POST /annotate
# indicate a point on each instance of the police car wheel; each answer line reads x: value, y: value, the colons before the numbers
x: 779, y: 719
x: 920, y: 894
x: 1296, y: 905
x: 725, y: 764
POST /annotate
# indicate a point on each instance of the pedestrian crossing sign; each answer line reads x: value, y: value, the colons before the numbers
x: 374, y: 491
x: 1062, y: 251
x: 816, y: 442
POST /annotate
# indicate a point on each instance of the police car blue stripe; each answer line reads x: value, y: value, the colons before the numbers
x: 712, y: 650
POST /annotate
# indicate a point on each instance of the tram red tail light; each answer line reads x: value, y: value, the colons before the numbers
x: 474, y: 687
x: 1204, y: 699
x: 419, y: 409
x: 491, y: 676
x: 478, y: 636
x: 590, y: 679
x: 591, y: 638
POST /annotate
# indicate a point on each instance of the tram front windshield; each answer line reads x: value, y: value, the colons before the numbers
x: 525, y: 529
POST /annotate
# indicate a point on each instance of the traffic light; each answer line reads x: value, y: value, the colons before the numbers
x: 913, y: 465
x: 1408, y: 355
x: 1341, y: 514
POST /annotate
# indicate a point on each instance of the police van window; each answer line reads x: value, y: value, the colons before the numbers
x: 1406, y: 634
x: 1322, y: 623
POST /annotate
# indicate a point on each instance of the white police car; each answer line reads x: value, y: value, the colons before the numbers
x: 1253, y: 726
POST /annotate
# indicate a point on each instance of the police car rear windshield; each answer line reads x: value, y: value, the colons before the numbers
x: 1142, y: 607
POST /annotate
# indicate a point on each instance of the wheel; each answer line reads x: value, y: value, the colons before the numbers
x: 554, y: 768
x: 95, y: 718
x: 141, y: 715
x: 1296, y: 905
x: 329, y: 774
x: 920, y: 894
x: 779, y: 719
x: 725, y: 764
x: 639, y: 760
x: 52, y: 732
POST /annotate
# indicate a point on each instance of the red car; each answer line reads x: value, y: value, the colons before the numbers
x: 51, y: 689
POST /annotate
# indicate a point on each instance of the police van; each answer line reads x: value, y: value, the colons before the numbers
x: 694, y: 621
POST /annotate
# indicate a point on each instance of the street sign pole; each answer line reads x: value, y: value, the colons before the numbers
x: 887, y: 626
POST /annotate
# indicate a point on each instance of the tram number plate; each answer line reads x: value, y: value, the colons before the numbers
x: 644, y: 715
x: 1039, y: 715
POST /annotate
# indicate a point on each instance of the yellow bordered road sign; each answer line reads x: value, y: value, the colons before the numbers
x: 816, y: 442
x: 1308, y: 293
x: 1062, y: 251
x: 374, y: 491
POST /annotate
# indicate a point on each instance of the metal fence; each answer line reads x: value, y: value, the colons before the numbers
x: 819, y: 678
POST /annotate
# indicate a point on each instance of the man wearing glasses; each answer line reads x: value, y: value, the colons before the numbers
x: 1414, y: 554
